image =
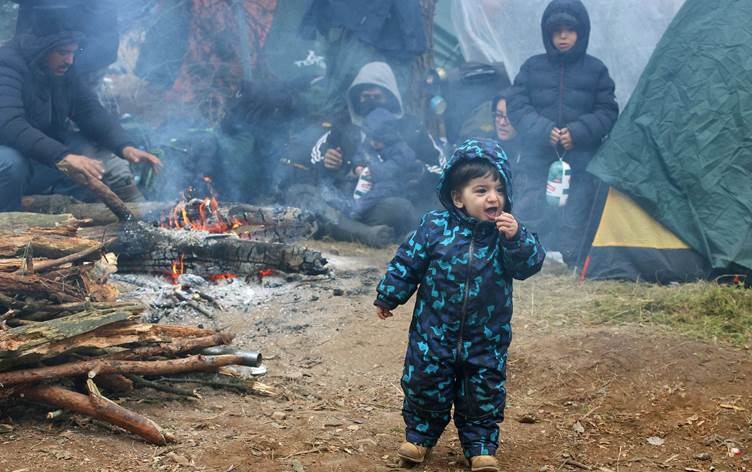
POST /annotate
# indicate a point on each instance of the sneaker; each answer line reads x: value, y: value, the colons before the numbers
x: 412, y: 453
x: 484, y: 464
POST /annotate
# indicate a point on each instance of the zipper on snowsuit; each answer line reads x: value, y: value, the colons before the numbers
x: 561, y: 97
x: 465, y: 382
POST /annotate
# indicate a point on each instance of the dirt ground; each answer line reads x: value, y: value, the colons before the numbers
x: 597, y: 398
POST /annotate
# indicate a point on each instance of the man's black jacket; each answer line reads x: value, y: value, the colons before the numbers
x: 36, y: 109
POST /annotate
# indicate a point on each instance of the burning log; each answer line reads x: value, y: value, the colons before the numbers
x: 153, y: 250
x: 264, y: 223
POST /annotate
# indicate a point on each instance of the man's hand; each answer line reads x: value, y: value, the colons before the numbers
x: 383, y: 313
x: 333, y: 158
x: 88, y: 167
x: 555, y: 136
x: 135, y: 155
x: 566, y: 139
x: 507, y: 225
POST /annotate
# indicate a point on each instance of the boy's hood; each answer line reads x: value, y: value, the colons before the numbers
x: 381, y: 124
x: 563, y: 11
x: 374, y: 73
x: 487, y: 149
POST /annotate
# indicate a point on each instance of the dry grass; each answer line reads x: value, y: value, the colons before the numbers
x: 701, y: 310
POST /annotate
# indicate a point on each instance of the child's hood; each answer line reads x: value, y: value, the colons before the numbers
x: 571, y: 13
x: 476, y: 149
x: 382, y: 125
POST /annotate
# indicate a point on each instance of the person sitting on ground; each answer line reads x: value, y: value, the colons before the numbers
x: 563, y: 104
x: 40, y: 97
x: 461, y: 261
x: 388, y: 167
x: 329, y: 172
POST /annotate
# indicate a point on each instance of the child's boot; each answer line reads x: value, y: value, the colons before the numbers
x: 484, y: 464
x: 412, y: 453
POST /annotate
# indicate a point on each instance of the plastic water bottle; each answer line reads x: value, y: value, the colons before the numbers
x: 557, y: 185
x: 364, y: 184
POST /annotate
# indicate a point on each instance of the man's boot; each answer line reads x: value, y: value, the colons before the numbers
x: 342, y: 228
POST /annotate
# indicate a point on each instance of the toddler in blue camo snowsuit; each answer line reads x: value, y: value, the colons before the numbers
x: 461, y: 260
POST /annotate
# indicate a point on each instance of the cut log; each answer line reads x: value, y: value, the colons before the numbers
x: 76, y: 257
x: 17, y: 341
x: 39, y: 288
x: 51, y: 246
x: 106, y: 367
x: 142, y: 248
x: 115, y: 383
x: 96, y: 407
x: 176, y: 348
x: 20, y: 222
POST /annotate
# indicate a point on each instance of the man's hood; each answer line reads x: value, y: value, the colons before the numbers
x: 560, y: 12
x: 487, y: 149
x: 374, y: 73
x: 33, y: 47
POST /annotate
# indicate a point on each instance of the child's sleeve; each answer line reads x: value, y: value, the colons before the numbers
x: 522, y: 114
x: 523, y: 255
x: 406, y: 269
x: 590, y: 129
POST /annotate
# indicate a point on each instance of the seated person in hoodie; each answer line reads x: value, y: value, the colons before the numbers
x: 562, y: 103
x: 328, y: 172
x: 41, y: 95
x: 388, y: 168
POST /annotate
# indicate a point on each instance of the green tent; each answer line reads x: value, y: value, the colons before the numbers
x: 682, y: 149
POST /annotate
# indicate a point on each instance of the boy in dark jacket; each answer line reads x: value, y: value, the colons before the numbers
x: 391, y: 167
x: 563, y: 104
x: 462, y: 261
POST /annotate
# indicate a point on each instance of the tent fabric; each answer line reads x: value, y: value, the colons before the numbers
x: 631, y: 245
x: 681, y: 148
x: 623, y: 34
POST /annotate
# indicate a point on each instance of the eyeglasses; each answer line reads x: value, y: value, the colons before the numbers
x: 498, y: 116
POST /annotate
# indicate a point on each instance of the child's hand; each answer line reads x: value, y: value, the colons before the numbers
x: 383, y: 313
x: 566, y: 139
x: 555, y: 136
x: 507, y: 225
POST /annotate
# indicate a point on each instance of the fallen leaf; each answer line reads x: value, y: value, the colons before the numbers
x: 578, y: 428
x: 656, y: 441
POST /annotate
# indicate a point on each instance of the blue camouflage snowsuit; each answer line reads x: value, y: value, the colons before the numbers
x: 460, y: 332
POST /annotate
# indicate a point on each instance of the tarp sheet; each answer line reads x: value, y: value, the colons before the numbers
x: 683, y: 146
x: 624, y: 33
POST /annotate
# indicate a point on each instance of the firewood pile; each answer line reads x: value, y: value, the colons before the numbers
x: 66, y: 342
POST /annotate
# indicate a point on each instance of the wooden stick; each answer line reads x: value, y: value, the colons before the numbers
x: 42, y: 266
x: 175, y: 348
x: 108, y: 197
x: 106, y: 367
x: 142, y: 382
x: 96, y: 407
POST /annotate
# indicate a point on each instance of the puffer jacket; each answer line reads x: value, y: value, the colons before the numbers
x: 462, y: 270
x: 36, y: 109
x: 564, y: 90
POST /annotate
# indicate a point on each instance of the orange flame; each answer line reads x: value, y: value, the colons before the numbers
x: 200, y: 215
x: 177, y: 269
x: 224, y: 276
x: 265, y: 273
